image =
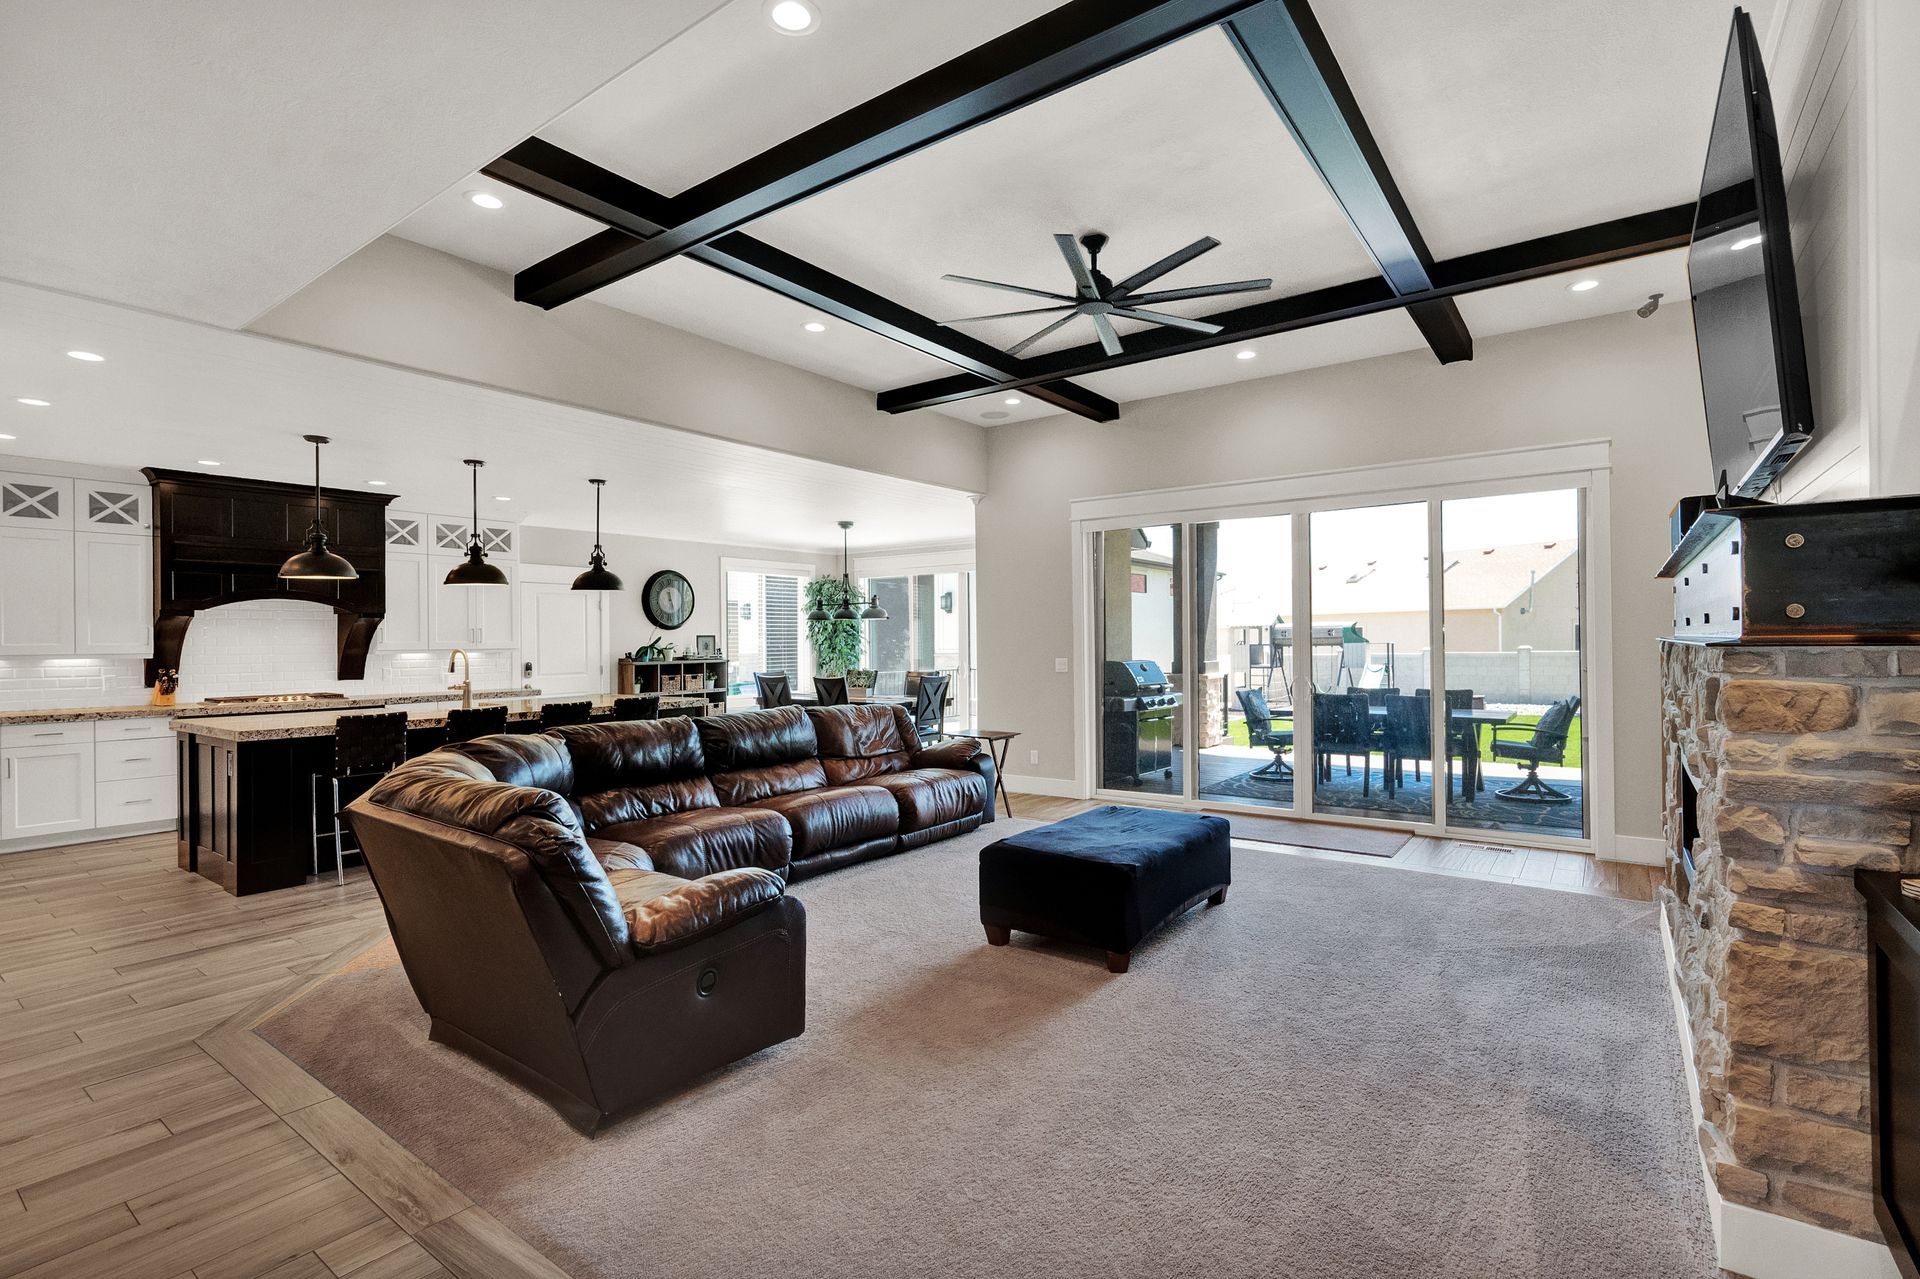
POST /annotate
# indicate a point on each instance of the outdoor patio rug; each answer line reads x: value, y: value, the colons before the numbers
x: 1344, y: 839
x: 1413, y: 799
x: 1345, y: 1072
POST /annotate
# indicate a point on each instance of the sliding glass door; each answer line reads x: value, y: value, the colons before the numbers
x: 1243, y: 679
x: 1138, y: 575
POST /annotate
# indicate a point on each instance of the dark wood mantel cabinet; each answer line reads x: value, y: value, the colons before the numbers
x: 219, y: 541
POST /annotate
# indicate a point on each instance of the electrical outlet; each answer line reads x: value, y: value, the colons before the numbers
x: 1033, y: 757
x: 1059, y: 666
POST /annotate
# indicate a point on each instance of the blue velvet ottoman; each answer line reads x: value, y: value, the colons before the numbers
x: 1105, y: 878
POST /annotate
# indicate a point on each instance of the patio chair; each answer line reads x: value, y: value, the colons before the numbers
x: 1546, y: 744
x: 1343, y: 726
x: 1409, y: 736
x: 1379, y: 696
x: 1261, y: 732
x: 1463, y: 739
x: 773, y: 688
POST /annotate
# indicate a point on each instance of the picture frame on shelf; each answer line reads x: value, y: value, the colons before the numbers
x: 706, y: 646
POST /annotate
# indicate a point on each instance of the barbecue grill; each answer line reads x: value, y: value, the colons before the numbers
x: 1138, y: 708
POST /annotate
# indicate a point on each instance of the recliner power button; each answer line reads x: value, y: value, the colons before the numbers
x: 708, y: 980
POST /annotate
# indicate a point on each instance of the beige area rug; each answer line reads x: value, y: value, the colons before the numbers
x: 1343, y: 1073
x: 1344, y: 839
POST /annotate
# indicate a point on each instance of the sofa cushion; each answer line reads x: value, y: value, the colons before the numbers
x: 836, y: 817
x: 931, y: 797
x: 706, y: 840
x: 857, y: 742
x: 617, y: 855
x: 632, y: 770
x: 667, y: 912
x: 751, y: 755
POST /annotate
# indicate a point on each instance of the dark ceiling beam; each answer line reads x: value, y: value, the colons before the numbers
x: 631, y: 212
x: 1055, y: 51
x: 1283, y: 46
x: 1590, y: 246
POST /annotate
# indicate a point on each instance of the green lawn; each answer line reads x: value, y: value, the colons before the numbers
x: 1237, y: 730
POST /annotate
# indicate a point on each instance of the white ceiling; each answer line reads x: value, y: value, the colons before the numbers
x: 171, y: 393
x: 209, y: 159
x: 1500, y: 123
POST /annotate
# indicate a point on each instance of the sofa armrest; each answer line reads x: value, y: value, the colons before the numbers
x: 701, y: 906
x: 958, y: 752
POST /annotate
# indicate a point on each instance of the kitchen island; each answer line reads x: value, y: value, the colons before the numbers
x: 247, y: 783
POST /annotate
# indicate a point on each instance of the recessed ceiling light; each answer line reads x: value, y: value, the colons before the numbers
x: 379, y: 484
x: 1581, y: 286
x: 32, y: 403
x: 814, y: 326
x: 1745, y: 242
x: 88, y: 356
x: 501, y: 497
x: 996, y: 415
x: 1244, y: 355
x: 206, y: 461
x: 792, y: 17
x: 6, y: 437
x: 1011, y: 399
x: 485, y: 199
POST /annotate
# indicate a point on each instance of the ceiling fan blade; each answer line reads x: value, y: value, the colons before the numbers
x: 1003, y: 315
x: 1199, y: 291
x: 1018, y: 347
x: 1011, y: 288
x: 1178, y: 259
x: 1161, y: 317
x: 1109, y: 340
x: 1082, y: 278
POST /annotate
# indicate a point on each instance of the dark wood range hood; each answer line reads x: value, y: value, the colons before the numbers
x: 219, y: 540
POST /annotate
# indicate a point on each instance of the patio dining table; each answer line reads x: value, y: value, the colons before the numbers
x: 1459, y: 717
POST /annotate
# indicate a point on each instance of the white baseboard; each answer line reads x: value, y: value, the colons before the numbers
x: 1751, y: 1241
x: 78, y: 837
x: 1058, y: 787
x: 1641, y: 850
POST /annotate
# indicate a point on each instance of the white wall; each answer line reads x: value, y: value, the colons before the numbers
x: 1620, y: 378
x: 636, y: 559
x: 405, y: 304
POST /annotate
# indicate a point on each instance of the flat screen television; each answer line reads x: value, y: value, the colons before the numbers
x: 1746, y: 305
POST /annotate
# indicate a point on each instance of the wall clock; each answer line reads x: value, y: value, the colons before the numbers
x: 668, y: 599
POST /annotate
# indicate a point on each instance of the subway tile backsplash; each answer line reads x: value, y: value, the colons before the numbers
x: 279, y: 646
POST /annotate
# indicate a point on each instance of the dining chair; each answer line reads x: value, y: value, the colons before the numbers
x: 1546, y: 744
x: 632, y: 708
x: 365, y: 749
x: 773, y: 688
x: 830, y: 690
x: 930, y: 707
x: 559, y: 714
x: 1409, y: 736
x: 1463, y: 742
x: 1261, y: 732
x: 464, y: 723
x: 1379, y: 696
x: 1342, y: 725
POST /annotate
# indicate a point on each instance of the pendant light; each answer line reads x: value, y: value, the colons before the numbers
x: 847, y: 612
x: 598, y: 576
x: 316, y: 563
x: 474, y: 570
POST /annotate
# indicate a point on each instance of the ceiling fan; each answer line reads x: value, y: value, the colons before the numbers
x: 1098, y: 298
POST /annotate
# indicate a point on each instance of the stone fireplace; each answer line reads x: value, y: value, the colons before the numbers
x: 1786, y: 768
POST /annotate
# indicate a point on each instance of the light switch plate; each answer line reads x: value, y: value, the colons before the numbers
x: 1033, y: 757
x: 1059, y: 666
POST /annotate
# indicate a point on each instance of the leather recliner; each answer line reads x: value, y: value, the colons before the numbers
x: 600, y: 912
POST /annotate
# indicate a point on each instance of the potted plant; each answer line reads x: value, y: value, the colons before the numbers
x: 836, y: 641
x: 860, y: 682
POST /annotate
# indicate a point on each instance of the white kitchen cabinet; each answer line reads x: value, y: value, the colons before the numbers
x: 46, y: 790
x: 113, y: 593
x: 113, y: 508
x: 500, y: 541
x: 35, y: 501
x: 410, y: 598
x: 406, y: 532
x: 470, y: 616
x: 36, y: 590
x: 449, y: 533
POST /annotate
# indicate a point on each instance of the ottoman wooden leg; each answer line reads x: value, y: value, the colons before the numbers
x: 1218, y: 899
x: 1117, y: 961
x: 998, y: 936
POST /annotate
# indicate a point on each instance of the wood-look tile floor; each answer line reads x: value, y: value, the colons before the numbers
x: 146, y: 1132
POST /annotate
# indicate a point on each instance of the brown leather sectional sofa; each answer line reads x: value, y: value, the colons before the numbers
x: 600, y: 911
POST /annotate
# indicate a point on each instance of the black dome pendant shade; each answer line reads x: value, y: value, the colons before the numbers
x: 846, y: 612
x: 316, y: 563
x: 474, y: 570
x: 598, y: 576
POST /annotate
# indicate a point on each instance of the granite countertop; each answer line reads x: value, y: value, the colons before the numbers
x: 267, y: 728
x: 191, y: 710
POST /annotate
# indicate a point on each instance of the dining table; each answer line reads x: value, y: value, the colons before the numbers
x: 1458, y: 717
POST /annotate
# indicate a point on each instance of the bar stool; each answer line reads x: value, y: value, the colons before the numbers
x: 556, y: 714
x: 629, y: 708
x: 464, y: 724
x: 364, y: 747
